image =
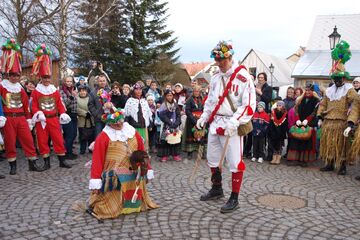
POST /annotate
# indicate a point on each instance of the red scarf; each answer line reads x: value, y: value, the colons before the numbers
x: 280, y: 121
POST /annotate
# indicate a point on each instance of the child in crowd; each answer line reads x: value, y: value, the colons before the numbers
x: 158, y: 124
x: 260, y: 124
x: 277, y: 130
x: 152, y: 128
x: 169, y: 114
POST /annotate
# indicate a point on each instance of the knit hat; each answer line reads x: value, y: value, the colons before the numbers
x: 150, y: 97
x: 340, y: 54
x: 179, y: 85
x: 167, y: 91
x: 10, y: 60
x: 280, y: 103
x: 222, y: 50
x: 357, y: 79
x: 261, y: 104
x: 137, y: 86
x: 42, y: 63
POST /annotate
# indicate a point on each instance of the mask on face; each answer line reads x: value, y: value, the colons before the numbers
x: 338, y: 81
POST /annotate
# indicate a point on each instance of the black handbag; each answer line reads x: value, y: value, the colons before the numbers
x: 87, y: 132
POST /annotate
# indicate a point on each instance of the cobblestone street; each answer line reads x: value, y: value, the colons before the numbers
x: 276, y: 202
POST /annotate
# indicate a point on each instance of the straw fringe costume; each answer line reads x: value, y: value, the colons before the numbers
x: 110, y: 173
x: 339, y: 111
x: 334, y: 110
x: 355, y: 145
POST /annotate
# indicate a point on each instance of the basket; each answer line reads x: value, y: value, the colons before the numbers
x: 301, y: 133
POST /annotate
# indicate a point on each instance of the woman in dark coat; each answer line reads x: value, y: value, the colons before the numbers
x: 169, y: 113
x: 194, y: 108
x: 304, y: 151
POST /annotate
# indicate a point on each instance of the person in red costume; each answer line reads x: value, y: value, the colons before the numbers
x: 120, y: 170
x: 16, y: 122
x: 48, y: 109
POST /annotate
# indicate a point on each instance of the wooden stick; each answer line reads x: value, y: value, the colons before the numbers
x: 198, y: 157
x: 224, y: 152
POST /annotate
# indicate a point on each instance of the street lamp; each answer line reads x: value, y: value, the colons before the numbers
x: 334, y: 38
x: 271, y: 68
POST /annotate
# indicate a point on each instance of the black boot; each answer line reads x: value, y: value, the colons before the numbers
x: 216, y: 190
x: 342, y: 170
x: 12, y: 167
x: 231, y: 204
x: 2, y: 176
x: 46, y: 163
x: 34, y: 167
x: 357, y: 178
x: 62, y: 163
x: 329, y: 167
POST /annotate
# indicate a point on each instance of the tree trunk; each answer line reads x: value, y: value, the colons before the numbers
x: 63, y: 49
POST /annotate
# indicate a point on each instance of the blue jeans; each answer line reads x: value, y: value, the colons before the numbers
x: 70, y: 133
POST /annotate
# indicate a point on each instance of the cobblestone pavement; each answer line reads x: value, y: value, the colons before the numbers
x: 39, y: 205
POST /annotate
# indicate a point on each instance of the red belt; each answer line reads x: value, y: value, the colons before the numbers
x: 51, y: 115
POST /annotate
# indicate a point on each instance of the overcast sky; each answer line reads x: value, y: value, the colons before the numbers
x: 277, y: 27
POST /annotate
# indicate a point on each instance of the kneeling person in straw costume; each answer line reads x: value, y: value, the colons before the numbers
x: 228, y: 111
x: 119, y: 170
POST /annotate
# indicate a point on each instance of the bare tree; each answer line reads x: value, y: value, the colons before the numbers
x: 20, y: 19
x: 66, y: 25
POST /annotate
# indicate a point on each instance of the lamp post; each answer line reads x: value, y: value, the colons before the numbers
x: 334, y: 38
x: 271, y: 68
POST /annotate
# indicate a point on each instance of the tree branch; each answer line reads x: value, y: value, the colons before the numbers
x: 96, y: 22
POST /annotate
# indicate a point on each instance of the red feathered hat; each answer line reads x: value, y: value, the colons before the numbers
x: 42, y: 64
x: 10, y: 60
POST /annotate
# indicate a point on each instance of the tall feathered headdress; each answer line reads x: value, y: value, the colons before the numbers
x: 42, y: 64
x: 340, y: 54
x: 10, y: 60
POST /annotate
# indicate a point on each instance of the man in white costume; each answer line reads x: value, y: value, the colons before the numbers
x: 230, y: 104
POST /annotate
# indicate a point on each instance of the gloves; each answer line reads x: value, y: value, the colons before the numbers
x: 200, y: 123
x: 230, y: 132
x: 30, y: 124
x: 150, y: 174
x: 2, y: 121
x: 298, y: 123
x: 232, y: 123
x: 347, y: 131
x: 38, y: 117
x: 305, y: 122
x: 64, y: 118
x: 231, y: 127
x: 319, y: 123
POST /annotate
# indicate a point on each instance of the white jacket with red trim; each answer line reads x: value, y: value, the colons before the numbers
x: 242, y: 95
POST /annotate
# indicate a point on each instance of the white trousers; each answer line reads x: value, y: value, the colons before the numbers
x: 233, y: 154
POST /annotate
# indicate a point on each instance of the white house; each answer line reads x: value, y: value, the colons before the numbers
x: 314, y: 66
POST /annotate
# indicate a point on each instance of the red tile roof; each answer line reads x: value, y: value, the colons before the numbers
x: 194, y: 68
